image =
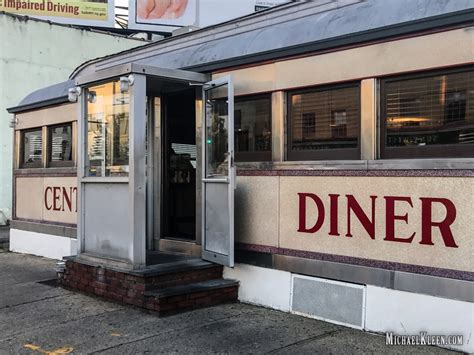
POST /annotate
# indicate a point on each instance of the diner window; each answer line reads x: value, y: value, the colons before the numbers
x: 253, y: 128
x: 324, y: 123
x: 107, y: 135
x: 60, y: 145
x: 32, y: 148
x: 428, y: 115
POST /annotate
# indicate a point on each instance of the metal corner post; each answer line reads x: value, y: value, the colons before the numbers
x: 81, y: 150
x: 137, y: 173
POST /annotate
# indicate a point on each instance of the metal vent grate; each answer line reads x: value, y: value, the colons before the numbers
x: 336, y: 302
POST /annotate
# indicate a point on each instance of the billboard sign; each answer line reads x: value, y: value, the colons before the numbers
x: 75, y: 12
x: 169, y: 15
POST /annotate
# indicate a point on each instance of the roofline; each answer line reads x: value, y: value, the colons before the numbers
x: 453, y: 19
x: 197, y: 31
x: 39, y: 105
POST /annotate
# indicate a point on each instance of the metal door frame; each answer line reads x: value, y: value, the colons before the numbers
x: 137, y: 75
x: 227, y: 260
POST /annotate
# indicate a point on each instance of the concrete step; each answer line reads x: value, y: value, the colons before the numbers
x: 171, y: 300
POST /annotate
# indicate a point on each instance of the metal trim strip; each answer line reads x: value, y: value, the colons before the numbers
x: 350, y: 260
x: 57, y: 229
x: 437, y: 286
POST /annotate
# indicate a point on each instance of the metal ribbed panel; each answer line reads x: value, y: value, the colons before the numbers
x: 336, y: 302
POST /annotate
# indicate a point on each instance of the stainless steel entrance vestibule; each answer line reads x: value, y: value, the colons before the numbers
x: 122, y: 163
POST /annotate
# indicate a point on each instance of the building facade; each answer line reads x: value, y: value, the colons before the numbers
x: 330, y: 168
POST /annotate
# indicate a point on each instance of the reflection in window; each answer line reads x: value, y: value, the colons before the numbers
x: 339, y: 124
x: 216, y: 136
x: 32, y: 146
x: 429, y: 112
x: 61, y: 143
x: 323, y: 122
x: 253, y: 134
x: 108, y: 140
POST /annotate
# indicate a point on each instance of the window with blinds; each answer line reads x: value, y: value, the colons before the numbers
x: 430, y: 115
x: 32, y: 148
x: 60, y: 145
x: 324, y: 123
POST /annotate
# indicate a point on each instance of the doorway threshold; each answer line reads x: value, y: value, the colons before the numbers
x: 189, y: 248
x: 159, y: 257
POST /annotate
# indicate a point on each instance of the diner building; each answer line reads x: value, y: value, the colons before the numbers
x: 322, y: 152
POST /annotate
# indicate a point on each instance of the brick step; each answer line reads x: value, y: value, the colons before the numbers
x: 179, y: 273
x: 164, y: 288
x: 161, y: 275
x: 170, y: 300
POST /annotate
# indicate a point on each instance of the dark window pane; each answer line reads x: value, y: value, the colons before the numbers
x: 325, y: 120
x: 253, y: 129
x: 429, y: 112
x: 32, y: 147
x: 61, y: 143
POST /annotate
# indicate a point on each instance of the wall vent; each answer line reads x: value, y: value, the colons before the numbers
x: 331, y: 301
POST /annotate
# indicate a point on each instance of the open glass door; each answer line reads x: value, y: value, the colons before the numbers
x: 218, y: 181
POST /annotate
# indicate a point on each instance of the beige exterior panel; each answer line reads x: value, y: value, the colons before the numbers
x: 48, y: 116
x: 256, y: 210
x: 29, y: 198
x: 47, y: 199
x: 458, y: 190
x: 454, y: 47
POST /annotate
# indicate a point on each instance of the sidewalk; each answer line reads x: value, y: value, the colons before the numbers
x: 4, y: 238
x: 38, y: 318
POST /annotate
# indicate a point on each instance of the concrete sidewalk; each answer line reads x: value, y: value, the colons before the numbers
x: 38, y: 318
x: 4, y: 238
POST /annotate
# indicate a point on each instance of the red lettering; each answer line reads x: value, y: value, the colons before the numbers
x: 67, y: 198
x: 333, y: 217
x: 302, y: 217
x: 369, y: 225
x: 444, y: 226
x: 56, y: 197
x: 46, y: 198
x: 391, y: 217
x: 367, y: 220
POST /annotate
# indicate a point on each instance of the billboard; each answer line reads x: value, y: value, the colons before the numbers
x: 75, y: 12
x: 169, y: 15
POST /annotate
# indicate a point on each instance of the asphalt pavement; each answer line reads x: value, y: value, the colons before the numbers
x: 36, y: 317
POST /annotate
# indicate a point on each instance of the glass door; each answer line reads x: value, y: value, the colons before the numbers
x: 218, y: 181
